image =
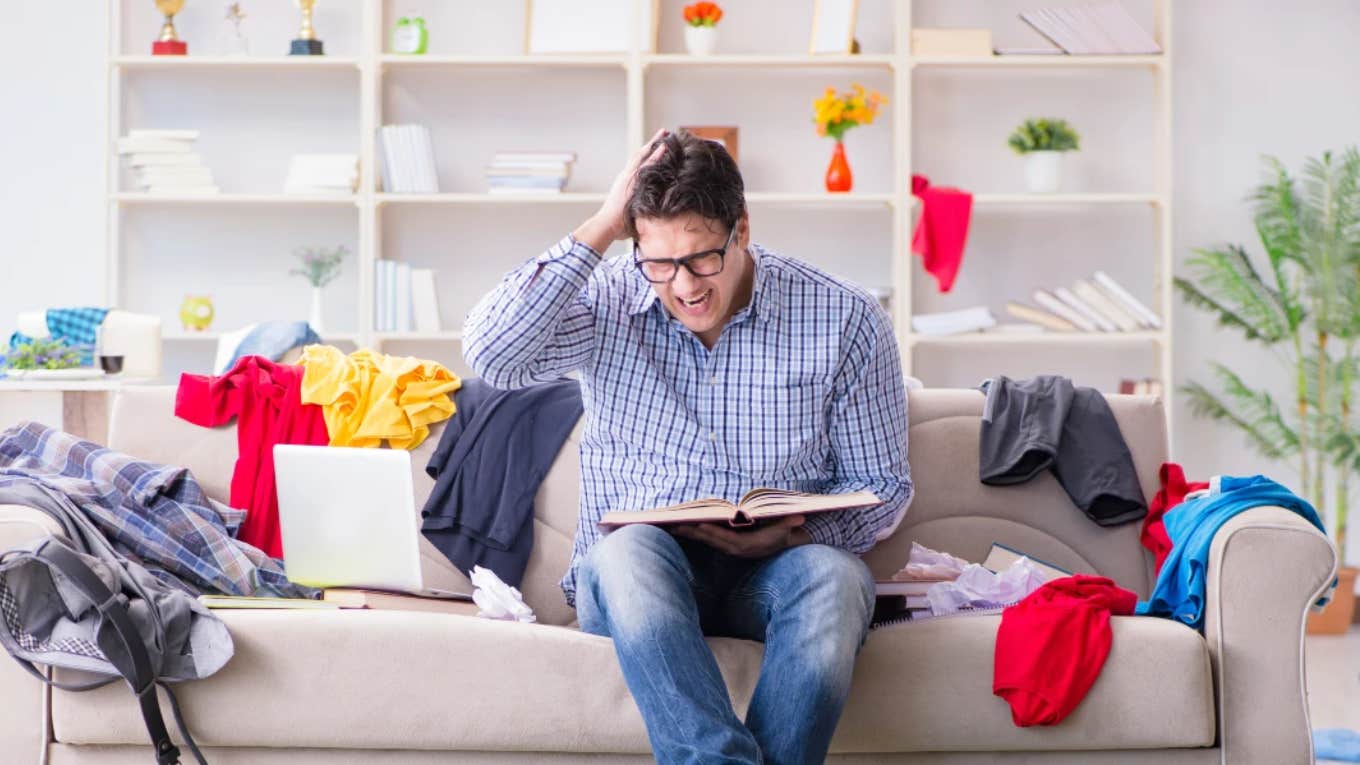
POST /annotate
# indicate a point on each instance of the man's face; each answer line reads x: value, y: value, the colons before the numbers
x: 701, y: 303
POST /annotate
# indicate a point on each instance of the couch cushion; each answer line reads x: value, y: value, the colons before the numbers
x: 384, y: 679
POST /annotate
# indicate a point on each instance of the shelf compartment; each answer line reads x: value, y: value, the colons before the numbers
x: 1040, y: 62
x: 235, y: 62
x: 144, y: 198
x: 874, y: 61
x: 1037, y: 338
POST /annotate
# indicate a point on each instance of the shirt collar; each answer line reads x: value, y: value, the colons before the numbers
x: 764, y: 293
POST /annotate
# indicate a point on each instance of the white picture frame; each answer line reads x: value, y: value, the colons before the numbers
x: 595, y: 27
x: 833, y: 26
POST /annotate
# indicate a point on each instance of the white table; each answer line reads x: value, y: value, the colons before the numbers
x: 79, y: 407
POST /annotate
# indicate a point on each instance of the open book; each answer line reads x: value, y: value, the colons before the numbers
x: 758, y: 504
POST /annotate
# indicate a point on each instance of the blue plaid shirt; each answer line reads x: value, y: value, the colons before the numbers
x: 155, y: 514
x: 803, y: 391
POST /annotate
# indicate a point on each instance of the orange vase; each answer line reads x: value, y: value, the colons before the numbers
x: 838, y: 176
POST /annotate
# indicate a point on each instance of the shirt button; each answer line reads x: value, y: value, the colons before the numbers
x: 713, y: 380
x: 712, y: 436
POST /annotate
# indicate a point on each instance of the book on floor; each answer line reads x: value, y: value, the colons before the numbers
x: 756, y: 505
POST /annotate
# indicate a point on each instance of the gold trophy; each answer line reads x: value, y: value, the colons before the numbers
x: 306, y: 43
x: 169, y: 43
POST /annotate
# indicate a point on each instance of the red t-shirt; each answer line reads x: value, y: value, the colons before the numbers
x: 265, y: 399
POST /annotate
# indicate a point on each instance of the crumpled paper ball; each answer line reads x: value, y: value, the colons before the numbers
x: 498, y: 600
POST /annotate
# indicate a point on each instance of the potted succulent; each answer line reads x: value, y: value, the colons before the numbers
x: 834, y: 113
x: 701, y: 28
x: 320, y: 267
x: 1042, y: 142
x: 1305, y: 309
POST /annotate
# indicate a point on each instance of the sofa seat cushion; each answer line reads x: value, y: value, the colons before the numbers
x: 400, y: 680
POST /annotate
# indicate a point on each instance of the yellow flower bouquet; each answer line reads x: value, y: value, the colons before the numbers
x: 836, y: 113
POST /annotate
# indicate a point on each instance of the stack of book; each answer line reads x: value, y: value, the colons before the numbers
x: 407, y: 160
x: 529, y: 172
x: 322, y: 174
x: 405, y: 299
x: 1093, y: 29
x: 164, y: 162
x: 953, y: 322
x: 1098, y: 304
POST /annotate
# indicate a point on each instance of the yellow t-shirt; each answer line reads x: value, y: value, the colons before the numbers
x: 368, y: 397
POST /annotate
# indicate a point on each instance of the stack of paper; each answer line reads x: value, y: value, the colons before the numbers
x: 953, y: 322
x: 1098, y: 28
x: 164, y: 162
x: 323, y: 174
x: 408, y: 160
x: 529, y: 172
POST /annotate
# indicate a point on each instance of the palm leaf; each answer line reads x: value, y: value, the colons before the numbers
x: 1252, y: 412
x: 1226, y: 316
x: 1228, y: 278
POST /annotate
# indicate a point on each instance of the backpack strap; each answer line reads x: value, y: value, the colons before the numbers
x: 122, y: 646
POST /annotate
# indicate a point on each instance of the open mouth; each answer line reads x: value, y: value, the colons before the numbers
x: 697, y: 305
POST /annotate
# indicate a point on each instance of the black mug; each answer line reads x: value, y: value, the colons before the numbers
x: 111, y: 364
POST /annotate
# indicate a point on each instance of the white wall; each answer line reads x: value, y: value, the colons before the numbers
x: 1250, y: 79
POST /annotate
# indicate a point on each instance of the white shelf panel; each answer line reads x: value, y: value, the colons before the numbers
x: 1066, y: 199
x: 235, y: 62
x: 878, y: 61
x: 181, y: 336
x: 1038, y: 338
x: 1038, y: 62
x: 63, y: 386
x: 143, y: 198
x: 492, y: 199
x: 402, y: 61
x: 819, y: 198
x: 418, y: 336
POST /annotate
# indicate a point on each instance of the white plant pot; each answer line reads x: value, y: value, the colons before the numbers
x: 1043, y: 171
x: 317, y: 317
x: 700, y: 41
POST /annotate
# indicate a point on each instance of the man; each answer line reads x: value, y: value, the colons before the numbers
x: 709, y: 366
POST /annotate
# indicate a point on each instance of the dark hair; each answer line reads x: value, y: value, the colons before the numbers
x: 693, y: 175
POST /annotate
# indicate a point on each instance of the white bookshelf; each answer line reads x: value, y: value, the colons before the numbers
x: 631, y: 92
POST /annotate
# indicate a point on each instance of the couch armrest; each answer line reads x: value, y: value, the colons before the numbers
x: 23, y: 705
x: 1266, y: 568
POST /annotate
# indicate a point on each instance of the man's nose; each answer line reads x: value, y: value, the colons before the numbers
x: 685, y: 283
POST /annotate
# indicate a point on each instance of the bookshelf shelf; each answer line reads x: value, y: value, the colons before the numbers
x: 1041, y: 62
x: 1038, y: 338
x: 234, y: 62
x: 403, y: 61
x: 820, y: 198
x: 1022, y: 198
x: 449, y: 336
x: 144, y: 198
x: 181, y: 336
x: 875, y: 61
x: 474, y: 198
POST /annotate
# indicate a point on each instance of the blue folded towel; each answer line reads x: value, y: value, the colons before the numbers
x: 1337, y: 744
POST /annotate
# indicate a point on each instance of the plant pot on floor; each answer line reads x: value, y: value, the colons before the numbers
x: 1043, y: 171
x: 1335, y: 619
x: 701, y: 41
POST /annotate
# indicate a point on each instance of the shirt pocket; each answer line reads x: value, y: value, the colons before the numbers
x: 789, y: 421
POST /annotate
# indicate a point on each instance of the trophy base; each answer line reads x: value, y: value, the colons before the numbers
x: 305, y: 48
x: 169, y: 48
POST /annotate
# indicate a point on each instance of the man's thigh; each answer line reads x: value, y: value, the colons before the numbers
x: 815, y: 583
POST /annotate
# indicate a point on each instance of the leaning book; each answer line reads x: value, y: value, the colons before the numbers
x: 756, y: 505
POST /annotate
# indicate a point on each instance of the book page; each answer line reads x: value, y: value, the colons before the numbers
x: 697, y: 511
x: 771, y: 502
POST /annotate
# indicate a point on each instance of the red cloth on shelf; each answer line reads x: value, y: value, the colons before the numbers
x: 1051, y: 646
x: 265, y: 399
x: 941, y: 229
x: 1173, y: 491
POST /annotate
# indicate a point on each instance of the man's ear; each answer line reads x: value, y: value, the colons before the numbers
x: 744, y: 231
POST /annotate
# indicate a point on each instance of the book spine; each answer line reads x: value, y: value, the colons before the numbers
x: 1051, y: 304
x: 1097, y: 300
x: 1080, y: 307
x: 1027, y: 313
x: 1115, y: 290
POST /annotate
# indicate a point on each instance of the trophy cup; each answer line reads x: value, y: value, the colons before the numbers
x: 169, y: 43
x: 306, y: 43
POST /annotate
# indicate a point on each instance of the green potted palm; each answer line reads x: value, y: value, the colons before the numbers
x: 1305, y: 309
x: 1042, y: 142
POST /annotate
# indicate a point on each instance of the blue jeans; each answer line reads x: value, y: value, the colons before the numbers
x: 657, y: 596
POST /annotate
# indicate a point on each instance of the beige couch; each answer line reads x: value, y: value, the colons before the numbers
x: 327, y: 687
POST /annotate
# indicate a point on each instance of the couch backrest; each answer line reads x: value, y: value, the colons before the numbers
x: 951, y: 511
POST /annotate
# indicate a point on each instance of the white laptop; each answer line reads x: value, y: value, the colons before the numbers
x: 348, y: 519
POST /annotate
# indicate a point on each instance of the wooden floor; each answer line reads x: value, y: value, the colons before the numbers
x: 1333, y: 666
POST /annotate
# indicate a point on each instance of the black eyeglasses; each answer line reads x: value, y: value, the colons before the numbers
x: 663, y: 270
